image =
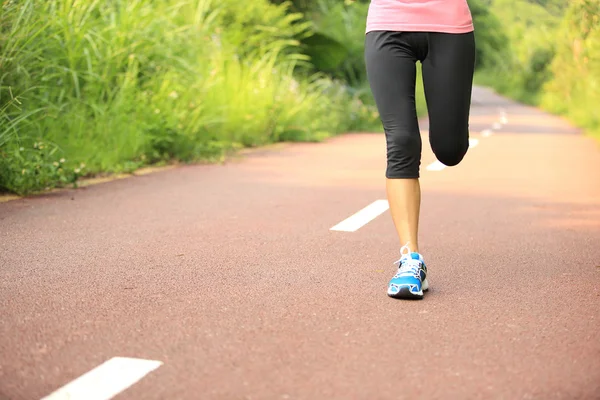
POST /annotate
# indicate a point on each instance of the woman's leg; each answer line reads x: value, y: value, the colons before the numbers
x: 391, y: 68
x: 448, y: 81
x: 404, y: 197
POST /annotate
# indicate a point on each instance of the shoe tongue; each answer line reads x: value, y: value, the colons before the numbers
x: 412, y: 256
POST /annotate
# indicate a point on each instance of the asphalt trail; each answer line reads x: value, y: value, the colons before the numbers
x: 230, y: 276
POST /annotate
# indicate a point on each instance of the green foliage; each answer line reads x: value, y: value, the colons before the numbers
x: 339, y: 48
x: 553, y: 57
x: 34, y: 165
x: 491, y: 39
x: 120, y: 84
x: 521, y: 66
x: 555, y: 7
x: 326, y: 53
x: 26, y: 165
x: 256, y: 26
x: 575, y: 87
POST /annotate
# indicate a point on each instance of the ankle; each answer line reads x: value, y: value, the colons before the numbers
x: 409, y: 248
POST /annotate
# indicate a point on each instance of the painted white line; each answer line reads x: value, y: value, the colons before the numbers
x: 436, y: 166
x: 497, y: 125
x: 363, y: 217
x: 503, y: 120
x: 487, y: 132
x: 106, y: 381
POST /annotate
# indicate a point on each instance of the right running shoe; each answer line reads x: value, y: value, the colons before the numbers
x: 411, y: 279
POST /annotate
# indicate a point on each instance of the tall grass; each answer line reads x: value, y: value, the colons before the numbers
x: 552, y: 58
x: 338, y: 50
x: 521, y: 65
x: 574, y: 90
x: 111, y: 86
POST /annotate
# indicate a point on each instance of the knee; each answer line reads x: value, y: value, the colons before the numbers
x: 403, y: 155
x: 451, y: 153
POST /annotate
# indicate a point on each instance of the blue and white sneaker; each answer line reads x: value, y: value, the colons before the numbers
x: 411, y: 279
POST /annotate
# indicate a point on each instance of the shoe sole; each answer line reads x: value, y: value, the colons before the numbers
x: 406, y: 294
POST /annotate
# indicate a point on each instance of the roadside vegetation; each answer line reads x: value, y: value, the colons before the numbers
x: 91, y: 87
x: 550, y: 57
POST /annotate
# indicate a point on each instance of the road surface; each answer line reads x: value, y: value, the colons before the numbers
x: 228, y: 281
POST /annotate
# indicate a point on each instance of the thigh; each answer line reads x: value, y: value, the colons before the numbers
x: 391, y: 71
x: 448, y: 81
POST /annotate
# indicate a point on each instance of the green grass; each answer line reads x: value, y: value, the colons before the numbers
x: 552, y: 58
x: 574, y: 90
x: 92, y: 87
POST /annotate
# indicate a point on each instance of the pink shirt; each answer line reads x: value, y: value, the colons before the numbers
x: 449, y: 16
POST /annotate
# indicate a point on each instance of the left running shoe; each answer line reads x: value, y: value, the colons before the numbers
x: 411, y: 279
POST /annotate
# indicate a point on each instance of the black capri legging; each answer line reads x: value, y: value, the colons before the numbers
x: 448, y: 64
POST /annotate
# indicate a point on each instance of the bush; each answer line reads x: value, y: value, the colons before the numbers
x: 520, y: 67
x: 574, y: 90
x: 553, y: 57
x: 490, y: 37
x: 116, y: 85
x: 338, y: 46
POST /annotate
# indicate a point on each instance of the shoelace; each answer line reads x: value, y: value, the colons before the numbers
x: 407, y: 266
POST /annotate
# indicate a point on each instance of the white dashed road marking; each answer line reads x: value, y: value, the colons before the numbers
x: 436, y: 166
x: 363, y: 217
x: 106, y: 381
x: 373, y: 210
